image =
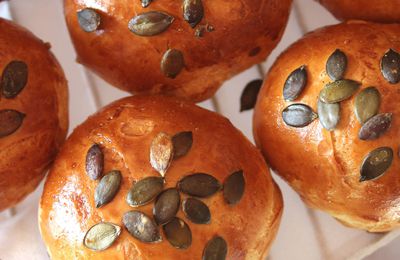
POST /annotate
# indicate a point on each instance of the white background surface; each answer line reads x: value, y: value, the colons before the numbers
x: 304, y: 233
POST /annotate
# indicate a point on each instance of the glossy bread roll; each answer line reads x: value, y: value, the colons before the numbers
x: 216, y: 184
x: 182, y: 48
x: 382, y: 11
x: 33, y: 111
x: 345, y: 162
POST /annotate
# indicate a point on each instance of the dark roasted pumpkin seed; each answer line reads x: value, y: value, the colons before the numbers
x: 298, y: 115
x: 182, y: 143
x: 144, y: 191
x: 295, y: 83
x: 141, y: 227
x: 199, y: 185
x: 375, y: 126
x: 193, y: 11
x: 14, y: 78
x: 328, y: 114
x: 94, y: 162
x: 249, y: 95
x: 390, y: 66
x: 101, y: 236
x: 166, y: 206
x: 10, y: 121
x: 146, y: 3
x: 89, y: 19
x: 172, y: 63
x: 339, y: 90
x: 376, y: 163
x: 367, y: 104
x: 234, y: 187
x: 107, y: 188
x: 196, y: 211
x: 336, y: 65
x: 216, y: 249
x: 161, y: 153
x: 178, y: 233
x: 150, y: 23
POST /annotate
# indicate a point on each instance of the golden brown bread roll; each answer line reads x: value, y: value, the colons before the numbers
x: 338, y: 171
x: 33, y: 111
x: 229, y: 37
x: 132, y: 137
x: 382, y: 11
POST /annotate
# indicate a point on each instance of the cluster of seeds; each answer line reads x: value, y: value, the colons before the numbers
x: 153, y: 23
x: 163, y: 150
x: 366, y: 106
x: 13, y: 81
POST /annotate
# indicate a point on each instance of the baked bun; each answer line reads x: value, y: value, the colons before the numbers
x: 350, y: 78
x: 382, y: 11
x: 33, y: 111
x: 187, y: 57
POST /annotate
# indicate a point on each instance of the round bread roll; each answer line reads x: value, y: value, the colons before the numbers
x: 103, y: 192
x: 382, y: 11
x: 183, y: 48
x: 345, y: 162
x: 33, y: 111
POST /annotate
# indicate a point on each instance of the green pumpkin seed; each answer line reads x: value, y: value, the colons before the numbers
x: 101, y: 236
x: 178, y: 233
x: 298, y: 115
x: 295, y: 83
x: 339, y: 90
x: 146, y: 3
x: 166, y: 206
x: 161, y: 153
x: 144, y: 191
x: 328, y: 114
x: 107, y: 188
x: 89, y: 19
x: 10, y: 121
x: 375, y: 126
x: 94, y: 162
x: 14, y: 78
x: 141, y: 227
x: 172, y: 63
x: 193, y: 11
x: 216, y: 249
x: 376, y: 163
x: 249, y: 95
x: 336, y: 65
x: 196, y: 211
x: 390, y: 66
x: 182, y: 143
x: 234, y: 187
x: 367, y: 104
x: 150, y: 23
x: 199, y: 185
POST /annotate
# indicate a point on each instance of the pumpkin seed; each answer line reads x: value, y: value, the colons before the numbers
x: 166, y: 206
x: 193, y: 11
x: 141, y: 227
x: 172, y: 63
x: 298, y: 115
x: 249, y: 95
x: 196, y: 211
x: 234, y: 187
x: 146, y: 3
x: 199, y: 185
x: 339, y: 90
x: 101, y: 236
x: 89, y: 20
x: 150, y: 23
x: 367, y: 104
x: 14, y: 78
x: 295, y: 84
x: 329, y: 114
x: 178, y: 233
x: 216, y: 249
x: 107, y: 188
x: 10, y: 121
x: 336, y: 65
x: 144, y: 191
x: 376, y: 163
x: 182, y: 143
x: 375, y: 126
x: 161, y: 153
x: 390, y: 66
x: 94, y: 162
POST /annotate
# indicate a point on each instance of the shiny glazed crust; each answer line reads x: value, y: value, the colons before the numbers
x: 322, y: 166
x: 132, y: 62
x: 26, y: 154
